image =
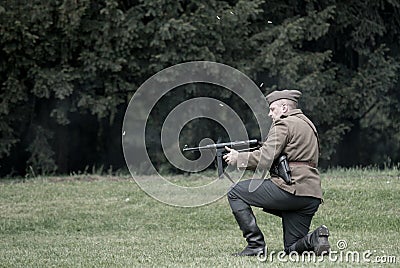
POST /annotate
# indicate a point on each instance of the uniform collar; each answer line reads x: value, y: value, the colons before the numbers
x: 292, y: 112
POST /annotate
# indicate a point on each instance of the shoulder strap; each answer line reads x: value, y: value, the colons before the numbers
x: 305, y: 119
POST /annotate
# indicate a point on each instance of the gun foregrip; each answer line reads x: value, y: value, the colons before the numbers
x: 219, y: 162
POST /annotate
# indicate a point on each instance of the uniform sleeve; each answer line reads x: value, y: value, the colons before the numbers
x: 270, y: 150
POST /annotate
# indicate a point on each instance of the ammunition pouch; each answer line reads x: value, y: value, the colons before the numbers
x: 281, y: 168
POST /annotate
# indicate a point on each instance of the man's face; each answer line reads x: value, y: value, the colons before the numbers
x: 276, y: 109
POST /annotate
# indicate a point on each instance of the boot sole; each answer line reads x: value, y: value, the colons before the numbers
x: 323, y: 243
x: 323, y: 231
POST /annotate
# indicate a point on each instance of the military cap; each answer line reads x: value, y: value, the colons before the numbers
x: 293, y: 95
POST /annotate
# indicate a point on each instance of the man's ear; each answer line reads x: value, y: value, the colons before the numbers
x: 285, y: 107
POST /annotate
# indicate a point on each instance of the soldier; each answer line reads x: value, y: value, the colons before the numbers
x: 294, y: 135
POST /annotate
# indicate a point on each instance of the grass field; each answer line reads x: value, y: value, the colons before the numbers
x: 93, y: 221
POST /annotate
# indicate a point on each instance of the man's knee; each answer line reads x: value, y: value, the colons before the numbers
x: 238, y: 190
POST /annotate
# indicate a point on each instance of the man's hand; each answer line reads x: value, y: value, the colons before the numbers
x: 231, y: 157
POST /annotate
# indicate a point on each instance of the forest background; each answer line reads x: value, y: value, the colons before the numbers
x: 68, y: 69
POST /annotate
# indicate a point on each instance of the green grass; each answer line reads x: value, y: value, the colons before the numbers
x: 93, y: 221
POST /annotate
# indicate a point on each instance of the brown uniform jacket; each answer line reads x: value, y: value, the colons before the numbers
x: 296, y: 136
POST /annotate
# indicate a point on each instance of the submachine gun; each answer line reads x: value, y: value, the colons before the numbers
x: 280, y: 167
x: 220, y: 150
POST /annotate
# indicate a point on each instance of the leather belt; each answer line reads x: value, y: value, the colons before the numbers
x: 303, y: 163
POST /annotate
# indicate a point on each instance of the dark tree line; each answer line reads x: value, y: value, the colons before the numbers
x: 68, y: 69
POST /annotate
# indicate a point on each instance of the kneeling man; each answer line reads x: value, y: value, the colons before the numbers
x: 295, y: 137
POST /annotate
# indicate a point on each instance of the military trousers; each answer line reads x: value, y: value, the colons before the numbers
x: 296, y: 211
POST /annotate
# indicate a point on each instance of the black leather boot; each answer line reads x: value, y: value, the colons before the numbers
x: 316, y: 241
x: 254, y: 237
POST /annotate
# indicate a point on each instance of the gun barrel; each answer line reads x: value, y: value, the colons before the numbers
x: 222, y: 145
x: 210, y: 146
